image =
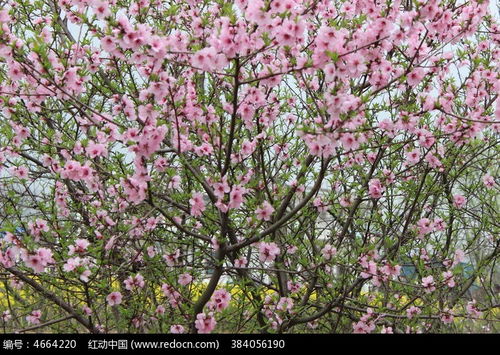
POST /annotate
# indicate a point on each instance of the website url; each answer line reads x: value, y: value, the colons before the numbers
x: 174, y: 344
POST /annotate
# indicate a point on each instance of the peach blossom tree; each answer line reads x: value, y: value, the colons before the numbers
x: 249, y: 166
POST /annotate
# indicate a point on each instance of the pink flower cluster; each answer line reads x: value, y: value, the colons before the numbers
x: 173, y: 296
x: 39, y: 260
x: 375, y: 188
x: 366, y: 323
x: 268, y: 252
x: 428, y: 284
x: 205, y: 323
x: 185, y: 279
x: 412, y: 311
x: 79, y: 247
x: 219, y: 300
x: 73, y: 170
x: 472, y: 310
x: 197, y: 204
x: 265, y: 211
x: 114, y: 298
x: 459, y: 201
x: 34, y: 317
x: 37, y: 227
x: 133, y: 282
x: 426, y: 226
x: 328, y: 251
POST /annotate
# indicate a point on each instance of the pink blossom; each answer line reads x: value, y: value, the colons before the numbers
x: 6, y: 316
x: 79, y: 247
x: 433, y: 161
x: 96, y: 150
x: 413, y: 311
x: 375, y: 188
x: 197, y: 204
x: 34, y: 317
x: 236, y: 196
x: 9, y: 258
x: 172, y: 258
x: 320, y: 205
x: 84, y: 276
x: 175, y: 182
x: 101, y: 8
x: 248, y: 147
x: 177, y: 329
x: 138, y: 321
x: 40, y: 260
x: 205, y: 323
x: 185, y: 279
x: 73, y: 170
x: 151, y: 251
x: 293, y: 287
x: 20, y: 172
x: 439, y: 224
x: 390, y: 270
x: 370, y: 268
x: 160, y: 309
x: 215, y: 243
x: 221, y: 188
x: 133, y: 282
x: 448, y: 279
x: 415, y: 76
x: 362, y: 327
x: 172, y: 295
x: 161, y: 164
x: 219, y: 300
x: 207, y: 59
x: 87, y: 310
x: 285, y: 304
x: 447, y: 317
x: 222, y: 206
x: 328, y: 251
x: 345, y: 201
x: 265, y: 211
x: 349, y: 142
x: 387, y: 330
x: 488, y: 180
x: 472, y: 310
x: 114, y: 298
x: 240, y: 262
x: 204, y: 149
x: 413, y: 156
x: 428, y: 284
x: 459, y: 201
x: 149, y: 141
x: 268, y: 251
x: 425, y: 226
x: 72, y: 263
